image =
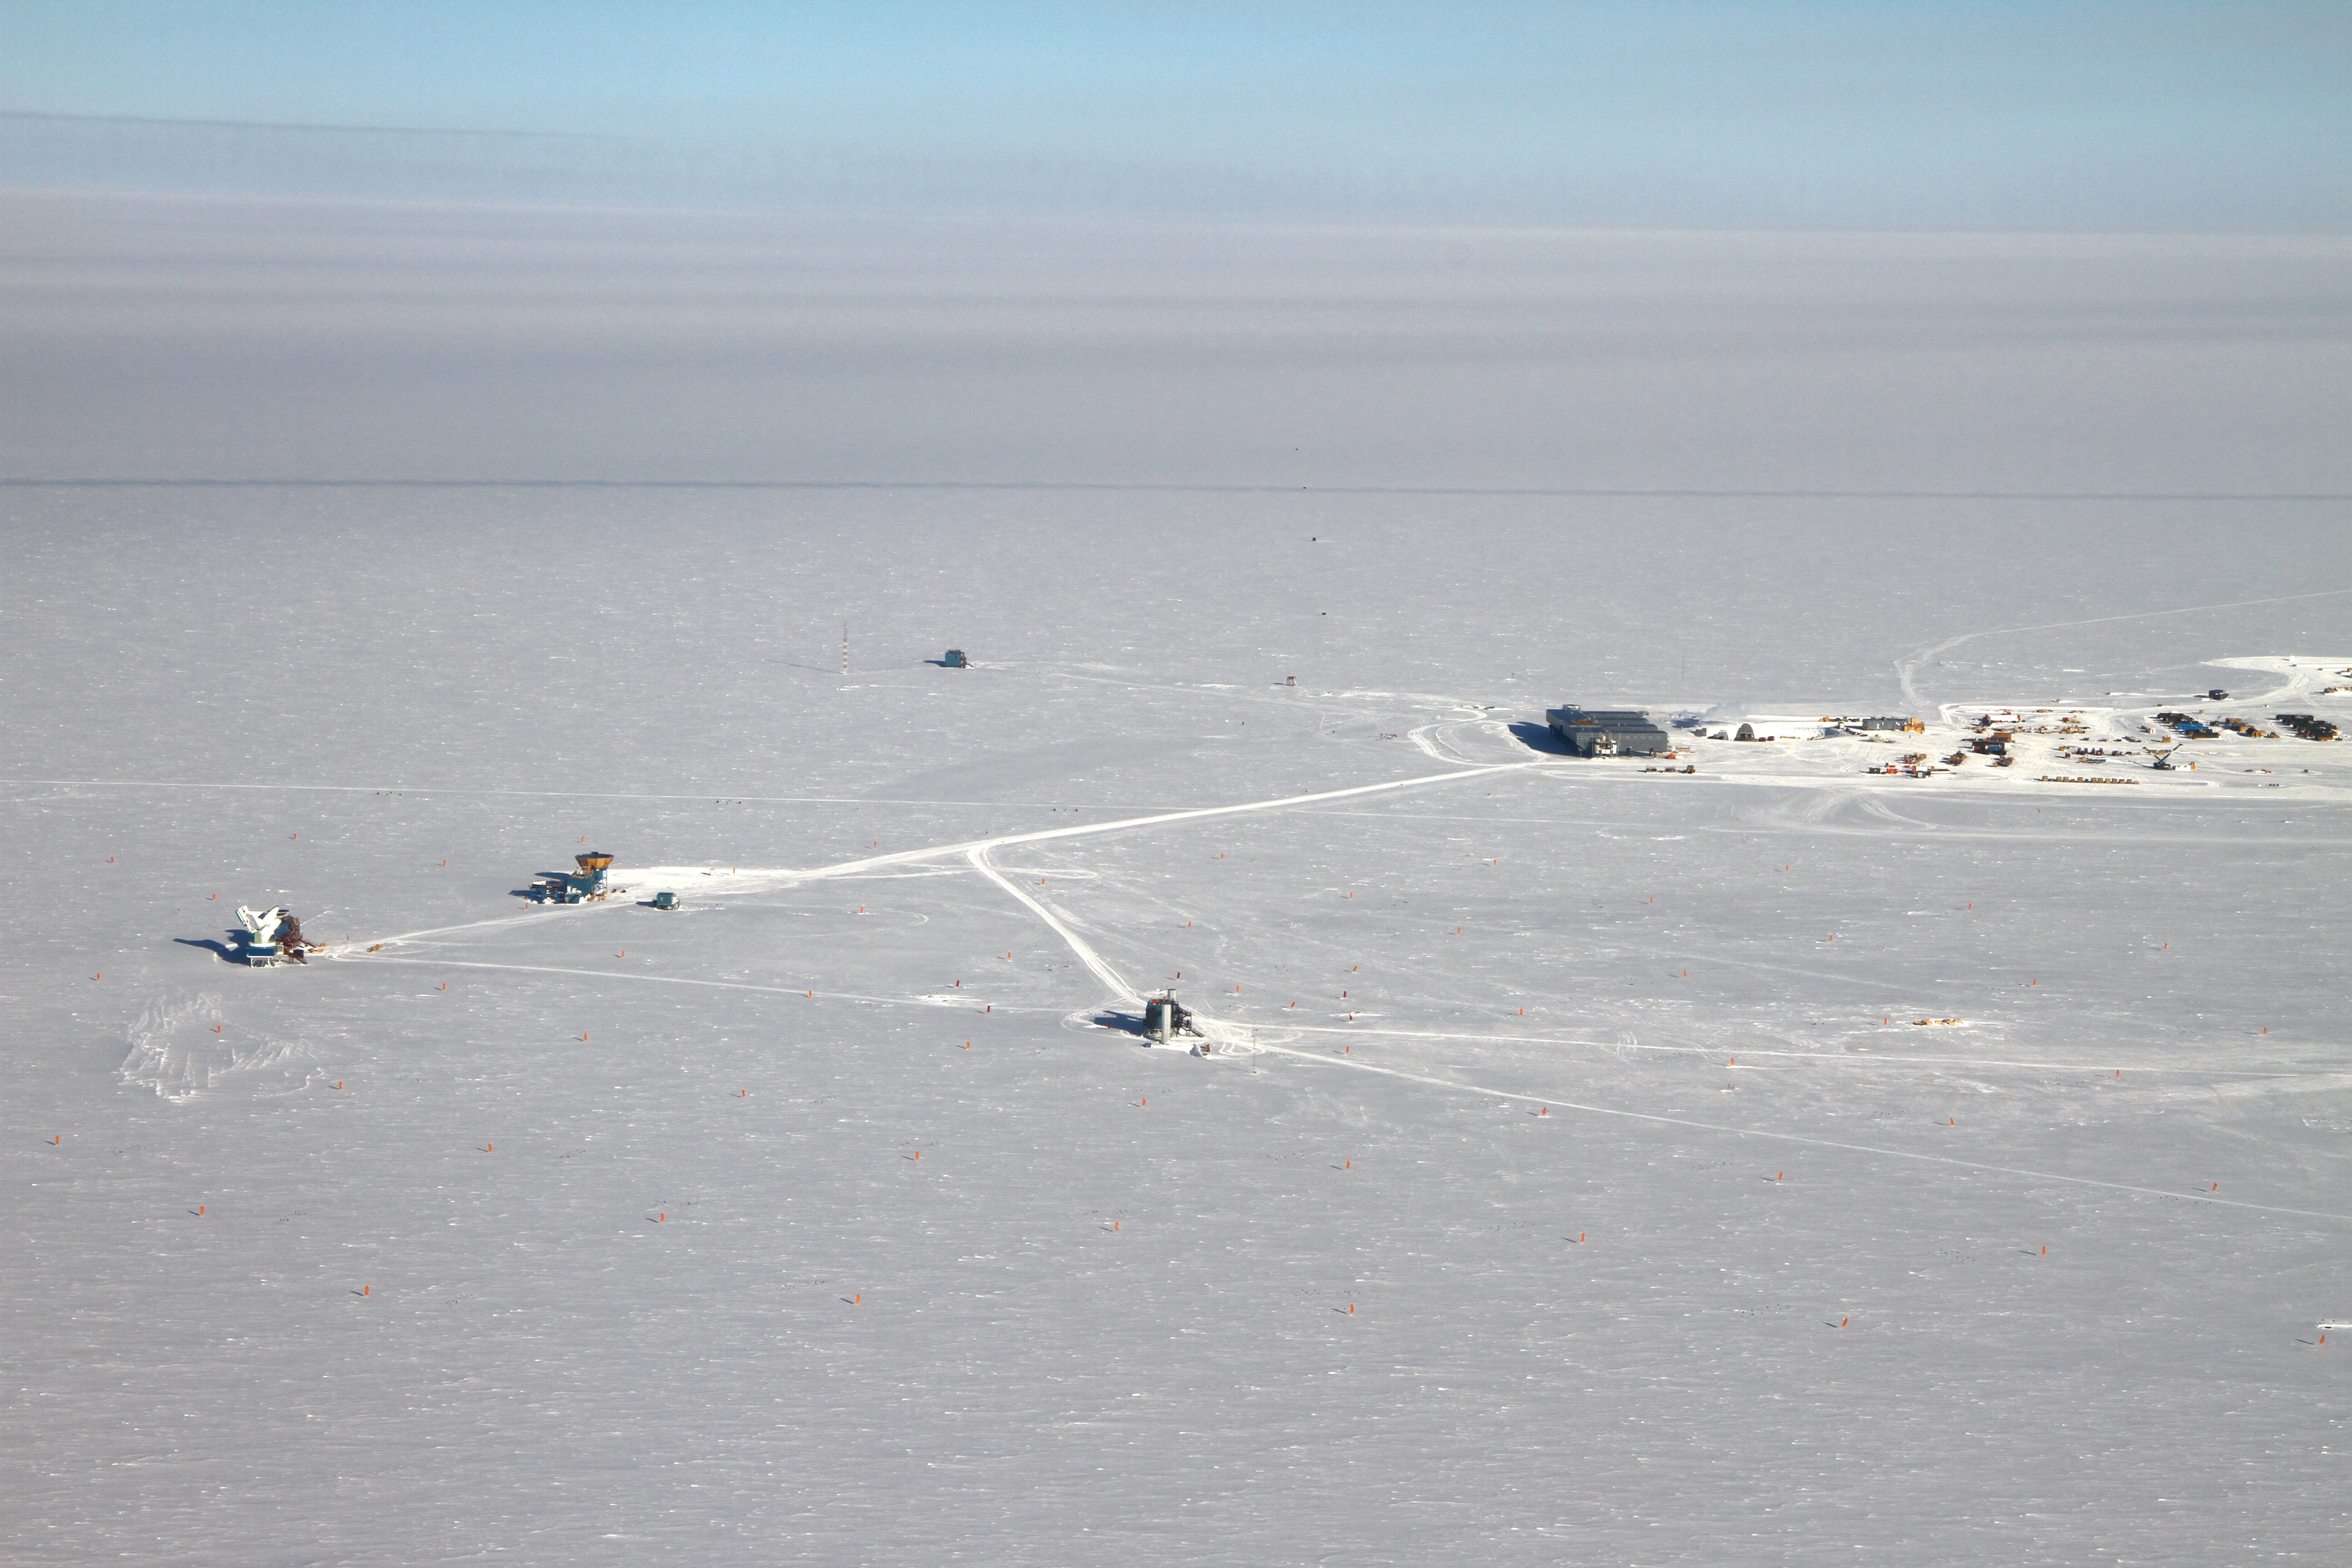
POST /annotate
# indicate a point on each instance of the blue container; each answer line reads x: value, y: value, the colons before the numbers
x: 664, y: 900
x: 954, y: 659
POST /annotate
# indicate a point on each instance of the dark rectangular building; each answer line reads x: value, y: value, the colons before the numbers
x: 1626, y: 731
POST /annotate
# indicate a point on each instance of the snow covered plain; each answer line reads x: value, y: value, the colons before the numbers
x: 1576, y: 1186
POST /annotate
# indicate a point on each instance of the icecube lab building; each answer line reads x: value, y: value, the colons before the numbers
x: 1599, y: 731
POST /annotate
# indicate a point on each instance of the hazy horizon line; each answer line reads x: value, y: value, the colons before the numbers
x: 1534, y: 491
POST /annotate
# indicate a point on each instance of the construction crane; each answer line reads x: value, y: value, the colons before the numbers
x: 2159, y: 763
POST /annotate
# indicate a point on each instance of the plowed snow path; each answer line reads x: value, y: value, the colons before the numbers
x: 1218, y: 1029
x: 740, y: 880
x: 1077, y: 944
x: 1907, y: 667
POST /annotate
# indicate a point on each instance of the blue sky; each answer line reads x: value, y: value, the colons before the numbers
x: 1902, y: 115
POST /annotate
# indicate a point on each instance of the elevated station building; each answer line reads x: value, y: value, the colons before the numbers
x: 1608, y: 732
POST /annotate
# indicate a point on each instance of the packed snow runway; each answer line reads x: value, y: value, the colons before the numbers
x: 1790, y: 1160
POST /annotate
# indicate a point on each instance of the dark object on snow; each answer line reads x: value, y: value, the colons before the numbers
x: 270, y: 936
x: 584, y: 887
x: 955, y: 660
x: 290, y: 941
x: 2217, y: 695
x: 664, y: 900
x: 1164, y: 1019
x: 2308, y: 726
x: 1627, y: 732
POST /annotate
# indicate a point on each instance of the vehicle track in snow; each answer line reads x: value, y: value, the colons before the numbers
x: 1221, y: 1031
x: 1906, y: 668
x: 1799, y: 1137
x: 761, y: 880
